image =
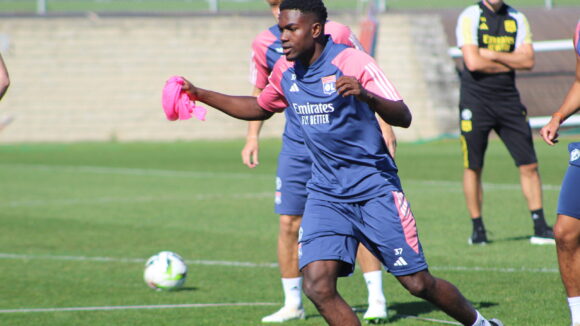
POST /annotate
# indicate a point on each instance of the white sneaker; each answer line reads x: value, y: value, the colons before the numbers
x: 376, y: 313
x: 285, y: 314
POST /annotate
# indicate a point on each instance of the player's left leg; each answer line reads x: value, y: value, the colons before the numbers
x: 320, y: 287
x: 444, y: 295
x: 515, y: 132
x: 389, y: 230
x: 532, y: 190
x: 372, y: 273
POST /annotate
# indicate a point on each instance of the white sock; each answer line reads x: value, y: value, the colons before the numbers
x: 374, y: 281
x: 480, y: 321
x: 574, y: 304
x: 292, y: 292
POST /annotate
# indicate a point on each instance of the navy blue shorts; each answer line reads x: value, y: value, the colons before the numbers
x: 568, y: 202
x: 294, y: 171
x: 385, y: 225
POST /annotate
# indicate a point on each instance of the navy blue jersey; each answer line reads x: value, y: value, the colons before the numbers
x: 350, y: 159
x: 266, y: 51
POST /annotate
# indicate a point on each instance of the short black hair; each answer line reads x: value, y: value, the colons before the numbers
x: 315, y: 7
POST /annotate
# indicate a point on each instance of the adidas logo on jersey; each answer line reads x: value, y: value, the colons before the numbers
x: 401, y: 262
x: 294, y: 88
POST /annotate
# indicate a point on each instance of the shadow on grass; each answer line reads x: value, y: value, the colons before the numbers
x: 403, y: 310
x: 419, y: 308
x: 186, y: 288
x: 518, y: 238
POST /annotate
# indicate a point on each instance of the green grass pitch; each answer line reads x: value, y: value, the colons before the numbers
x: 78, y: 221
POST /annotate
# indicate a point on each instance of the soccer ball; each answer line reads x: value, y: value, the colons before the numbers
x: 165, y: 271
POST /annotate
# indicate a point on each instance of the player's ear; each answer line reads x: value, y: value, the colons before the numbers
x: 317, y: 30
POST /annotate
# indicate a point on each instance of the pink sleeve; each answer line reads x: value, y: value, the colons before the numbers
x: 272, y: 97
x: 259, y: 66
x: 341, y: 34
x: 363, y: 67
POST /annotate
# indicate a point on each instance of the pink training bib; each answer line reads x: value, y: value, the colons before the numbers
x: 177, y: 104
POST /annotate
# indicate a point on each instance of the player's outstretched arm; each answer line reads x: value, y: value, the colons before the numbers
x: 395, y: 113
x: 240, y: 107
x: 570, y: 106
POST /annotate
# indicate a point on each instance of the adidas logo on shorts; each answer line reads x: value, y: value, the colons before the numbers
x: 401, y: 262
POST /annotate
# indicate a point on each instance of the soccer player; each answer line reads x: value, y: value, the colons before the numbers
x: 294, y: 170
x: 496, y: 40
x: 567, y: 228
x: 355, y: 195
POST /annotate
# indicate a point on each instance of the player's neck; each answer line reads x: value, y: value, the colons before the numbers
x: 317, y: 50
x: 493, y: 7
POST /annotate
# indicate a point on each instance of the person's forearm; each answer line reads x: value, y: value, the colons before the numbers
x: 515, y: 60
x: 241, y: 107
x: 476, y: 60
x: 487, y: 66
x: 254, y: 128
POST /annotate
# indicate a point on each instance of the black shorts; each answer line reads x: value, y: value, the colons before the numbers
x: 508, y: 120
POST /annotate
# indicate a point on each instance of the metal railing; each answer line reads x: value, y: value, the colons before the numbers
x: 540, y: 46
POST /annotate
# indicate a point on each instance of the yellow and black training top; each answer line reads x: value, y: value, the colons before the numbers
x: 501, y: 31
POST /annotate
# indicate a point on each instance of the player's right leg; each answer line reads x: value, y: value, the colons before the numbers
x: 291, y: 277
x: 475, y: 125
x: 320, y: 287
x: 373, y: 275
x: 292, y: 175
x: 473, y: 191
x: 327, y: 250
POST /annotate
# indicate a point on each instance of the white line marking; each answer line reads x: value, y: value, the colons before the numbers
x: 487, y: 185
x: 268, y: 265
x: 226, y: 175
x: 439, y: 321
x: 494, y: 269
x: 139, y: 199
x: 162, y: 306
x: 137, y: 172
x: 136, y: 260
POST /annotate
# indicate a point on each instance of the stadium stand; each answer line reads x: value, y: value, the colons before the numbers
x: 100, y: 78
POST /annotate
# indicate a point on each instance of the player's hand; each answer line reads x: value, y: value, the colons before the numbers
x: 347, y: 85
x: 550, y: 131
x: 189, y: 88
x: 250, y: 152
